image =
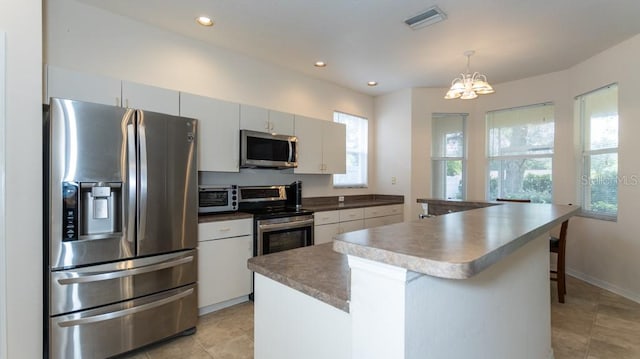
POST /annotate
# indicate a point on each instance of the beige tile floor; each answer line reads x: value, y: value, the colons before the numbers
x: 592, y: 324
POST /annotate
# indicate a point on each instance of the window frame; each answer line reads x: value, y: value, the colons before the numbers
x: 525, y: 157
x: 445, y: 159
x: 365, y: 154
x: 586, y: 155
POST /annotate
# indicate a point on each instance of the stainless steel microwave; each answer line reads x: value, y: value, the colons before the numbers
x: 266, y: 150
x: 214, y: 198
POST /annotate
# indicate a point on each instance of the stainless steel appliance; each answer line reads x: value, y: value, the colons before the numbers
x: 259, y: 149
x: 277, y: 227
x: 213, y: 199
x: 121, y: 228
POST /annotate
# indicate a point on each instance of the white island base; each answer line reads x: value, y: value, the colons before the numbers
x: 502, y: 312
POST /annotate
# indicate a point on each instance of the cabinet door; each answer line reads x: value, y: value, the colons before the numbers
x: 218, y: 131
x: 63, y: 83
x: 254, y: 118
x: 222, y: 269
x: 334, y: 149
x: 281, y: 123
x: 326, y: 217
x: 324, y: 233
x: 309, y: 134
x: 351, y: 226
x: 150, y: 98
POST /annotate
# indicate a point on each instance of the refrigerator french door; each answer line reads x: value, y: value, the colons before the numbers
x: 121, y: 226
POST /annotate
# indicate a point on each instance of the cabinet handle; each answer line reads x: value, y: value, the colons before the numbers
x: 227, y: 229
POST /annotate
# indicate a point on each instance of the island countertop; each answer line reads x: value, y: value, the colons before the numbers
x: 457, y: 245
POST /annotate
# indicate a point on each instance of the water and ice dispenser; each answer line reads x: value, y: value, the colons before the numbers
x: 91, y: 208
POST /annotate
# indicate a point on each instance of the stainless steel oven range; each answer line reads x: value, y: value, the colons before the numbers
x: 278, y: 223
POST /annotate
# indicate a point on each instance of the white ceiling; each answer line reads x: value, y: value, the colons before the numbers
x: 363, y: 40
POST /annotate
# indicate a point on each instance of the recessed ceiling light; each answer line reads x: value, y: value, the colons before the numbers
x: 372, y: 83
x: 204, y: 21
x: 320, y: 64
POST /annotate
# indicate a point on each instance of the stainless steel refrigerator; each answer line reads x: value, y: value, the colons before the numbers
x: 121, y: 228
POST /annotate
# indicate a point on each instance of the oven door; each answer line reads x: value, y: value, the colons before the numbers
x: 281, y: 234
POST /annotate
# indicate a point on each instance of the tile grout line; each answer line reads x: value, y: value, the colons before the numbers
x: 593, y: 324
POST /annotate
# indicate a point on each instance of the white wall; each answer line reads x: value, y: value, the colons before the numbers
x: 601, y: 252
x: 20, y: 20
x: 393, y: 149
x: 91, y: 40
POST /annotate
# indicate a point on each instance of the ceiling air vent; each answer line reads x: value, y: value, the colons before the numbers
x: 428, y: 17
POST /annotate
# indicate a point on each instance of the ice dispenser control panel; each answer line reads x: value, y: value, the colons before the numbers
x: 91, y: 210
x: 69, y: 211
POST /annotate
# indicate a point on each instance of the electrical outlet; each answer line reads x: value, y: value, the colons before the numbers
x: 394, y: 180
x: 340, y: 198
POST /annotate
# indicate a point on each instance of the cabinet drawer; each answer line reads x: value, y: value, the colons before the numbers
x: 224, y: 229
x: 351, y: 214
x: 380, y: 211
x: 382, y: 221
x: 326, y: 217
x: 350, y: 226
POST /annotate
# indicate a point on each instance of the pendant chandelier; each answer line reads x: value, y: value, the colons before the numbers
x: 468, y: 86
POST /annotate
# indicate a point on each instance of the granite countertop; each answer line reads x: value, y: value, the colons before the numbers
x: 216, y: 217
x: 457, y: 245
x: 317, y: 271
x: 320, y: 204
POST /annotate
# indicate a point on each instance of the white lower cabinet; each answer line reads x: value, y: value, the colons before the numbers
x: 223, y: 277
x: 329, y: 224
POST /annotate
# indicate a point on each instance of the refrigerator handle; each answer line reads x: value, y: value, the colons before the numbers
x: 125, y: 273
x: 131, y: 181
x: 128, y: 311
x: 142, y: 194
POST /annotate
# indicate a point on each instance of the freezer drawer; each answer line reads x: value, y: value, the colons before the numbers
x: 118, y: 328
x: 89, y: 287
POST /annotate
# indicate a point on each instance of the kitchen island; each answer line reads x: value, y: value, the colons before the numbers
x: 468, y: 284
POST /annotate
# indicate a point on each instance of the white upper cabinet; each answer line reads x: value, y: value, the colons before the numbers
x: 254, y: 118
x: 262, y: 120
x: 80, y: 86
x: 150, y: 98
x: 281, y: 123
x: 218, y: 131
x: 321, y: 146
x: 309, y: 134
x: 63, y: 83
x: 334, y: 149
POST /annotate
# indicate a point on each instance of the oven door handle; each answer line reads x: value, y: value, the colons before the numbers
x: 286, y: 225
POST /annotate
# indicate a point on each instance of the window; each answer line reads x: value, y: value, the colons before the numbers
x: 598, y: 111
x: 520, y: 149
x: 448, y: 154
x: 357, y: 137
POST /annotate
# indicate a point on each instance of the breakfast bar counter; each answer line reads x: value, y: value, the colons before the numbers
x: 466, y: 284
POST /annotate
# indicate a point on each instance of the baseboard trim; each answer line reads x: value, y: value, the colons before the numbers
x: 604, y: 285
x: 219, y: 306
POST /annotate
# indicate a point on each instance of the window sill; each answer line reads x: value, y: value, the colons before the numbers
x: 350, y: 186
x: 601, y: 217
